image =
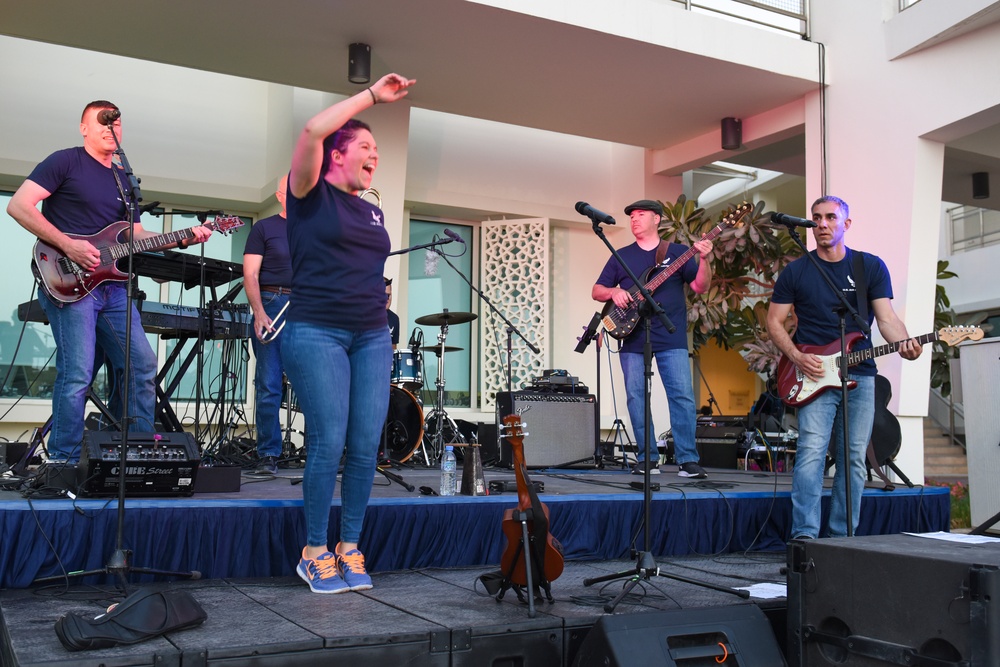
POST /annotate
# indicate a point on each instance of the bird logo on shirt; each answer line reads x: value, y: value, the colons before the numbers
x: 376, y: 219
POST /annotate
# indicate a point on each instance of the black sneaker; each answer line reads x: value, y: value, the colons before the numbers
x: 640, y: 467
x: 691, y: 469
x: 267, y: 466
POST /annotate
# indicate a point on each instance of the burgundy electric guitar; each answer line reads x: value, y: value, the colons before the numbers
x: 795, y: 388
x: 67, y: 281
x: 620, y: 322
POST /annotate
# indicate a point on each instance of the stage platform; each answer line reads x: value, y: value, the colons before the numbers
x: 430, y: 616
x: 257, y: 531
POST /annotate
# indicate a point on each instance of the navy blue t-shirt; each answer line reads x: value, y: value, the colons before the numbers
x: 670, y: 295
x: 338, y: 247
x: 393, y: 326
x: 269, y: 239
x: 84, y: 197
x: 815, y: 304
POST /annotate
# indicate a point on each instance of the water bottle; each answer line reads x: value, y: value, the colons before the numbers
x: 448, y: 467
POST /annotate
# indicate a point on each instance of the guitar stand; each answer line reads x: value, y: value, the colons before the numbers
x: 533, y: 589
x: 620, y: 438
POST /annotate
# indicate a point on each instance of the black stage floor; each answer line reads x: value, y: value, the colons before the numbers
x: 437, y: 617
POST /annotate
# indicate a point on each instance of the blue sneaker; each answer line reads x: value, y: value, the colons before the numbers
x: 351, y: 567
x: 321, y: 574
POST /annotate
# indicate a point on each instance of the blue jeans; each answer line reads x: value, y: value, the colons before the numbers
x: 341, y: 380
x: 675, y: 373
x: 78, y: 329
x: 817, y: 421
x: 267, y: 381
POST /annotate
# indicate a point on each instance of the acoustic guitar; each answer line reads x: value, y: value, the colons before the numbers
x: 68, y: 282
x: 546, y: 552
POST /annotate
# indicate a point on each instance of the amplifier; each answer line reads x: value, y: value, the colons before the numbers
x: 560, y: 429
x: 157, y: 464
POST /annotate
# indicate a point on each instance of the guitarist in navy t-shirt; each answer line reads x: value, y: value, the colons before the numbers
x: 800, y: 285
x: 79, y: 196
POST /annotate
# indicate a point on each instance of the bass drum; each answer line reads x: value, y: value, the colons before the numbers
x: 404, y: 426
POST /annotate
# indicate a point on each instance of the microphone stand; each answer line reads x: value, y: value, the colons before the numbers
x: 711, y: 397
x: 645, y: 566
x: 119, y: 564
x: 842, y: 311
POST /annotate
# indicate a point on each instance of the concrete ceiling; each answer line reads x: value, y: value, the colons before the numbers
x: 469, y: 59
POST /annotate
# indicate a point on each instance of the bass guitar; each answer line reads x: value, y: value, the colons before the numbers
x: 795, y: 388
x: 546, y: 552
x: 66, y: 281
x: 620, y: 322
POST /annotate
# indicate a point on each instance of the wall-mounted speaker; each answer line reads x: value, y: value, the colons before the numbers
x: 560, y: 428
x: 732, y: 134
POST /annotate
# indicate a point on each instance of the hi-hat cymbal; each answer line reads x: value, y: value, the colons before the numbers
x: 437, y: 348
x: 441, y: 319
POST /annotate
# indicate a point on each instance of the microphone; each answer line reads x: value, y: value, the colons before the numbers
x: 583, y: 208
x: 108, y: 116
x: 146, y: 208
x: 791, y: 220
x: 453, y: 236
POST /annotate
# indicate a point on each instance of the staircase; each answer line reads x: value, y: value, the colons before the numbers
x: 943, y: 461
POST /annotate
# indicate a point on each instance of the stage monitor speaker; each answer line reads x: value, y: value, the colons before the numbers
x: 12, y: 452
x: 893, y: 600
x: 158, y: 464
x: 560, y: 428
x: 735, y: 635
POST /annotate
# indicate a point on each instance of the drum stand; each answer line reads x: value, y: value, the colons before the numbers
x: 438, y: 416
x: 289, y: 452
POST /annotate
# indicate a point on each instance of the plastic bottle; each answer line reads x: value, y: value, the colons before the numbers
x: 448, y: 467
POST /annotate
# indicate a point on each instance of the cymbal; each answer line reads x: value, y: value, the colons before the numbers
x: 441, y: 319
x: 437, y: 348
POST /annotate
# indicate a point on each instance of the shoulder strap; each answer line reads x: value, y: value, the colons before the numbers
x: 661, y: 251
x: 860, y: 283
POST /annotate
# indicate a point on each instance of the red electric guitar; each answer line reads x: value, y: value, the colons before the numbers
x: 546, y: 552
x: 795, y: 388
x: 67, y: 281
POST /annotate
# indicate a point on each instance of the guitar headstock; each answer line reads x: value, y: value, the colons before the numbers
x: 735, y: 218
x: 224, y: 224
x: 512, y: 428
x: 955, y: 335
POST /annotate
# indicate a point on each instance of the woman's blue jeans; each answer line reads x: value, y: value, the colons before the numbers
x: 341, y: 380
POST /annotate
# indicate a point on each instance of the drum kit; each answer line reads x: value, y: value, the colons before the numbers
x: 407, y: 431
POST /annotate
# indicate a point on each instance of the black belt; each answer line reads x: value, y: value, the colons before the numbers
x: 275, y: 289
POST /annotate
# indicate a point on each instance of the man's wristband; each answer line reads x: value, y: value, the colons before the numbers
x: 372, y: 93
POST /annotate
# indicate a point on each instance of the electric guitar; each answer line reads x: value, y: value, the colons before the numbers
x: 66, y: 281
x: 620, y: 322
x: 795, y: 388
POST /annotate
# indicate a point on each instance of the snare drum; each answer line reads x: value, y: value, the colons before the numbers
x: 404, y: 426
x: 406, y: 368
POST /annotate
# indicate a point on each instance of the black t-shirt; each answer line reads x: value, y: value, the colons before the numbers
x: 269, y: 239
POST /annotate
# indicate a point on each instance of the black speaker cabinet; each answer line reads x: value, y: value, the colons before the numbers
x: 561, y: 428
x: 736, y: 635
x: 893, y: 600
x: 157, y: 464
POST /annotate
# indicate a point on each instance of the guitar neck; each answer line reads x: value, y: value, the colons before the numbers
x: 151, y: 244
x: 855, y: 358
x: 681, y: 260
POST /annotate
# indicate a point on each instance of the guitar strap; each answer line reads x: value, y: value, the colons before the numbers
x: 860, y: 283
x: 661, y: 251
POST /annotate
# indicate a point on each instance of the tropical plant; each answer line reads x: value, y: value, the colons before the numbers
x: 746, y: 260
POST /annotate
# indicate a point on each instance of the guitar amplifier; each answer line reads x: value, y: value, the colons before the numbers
x: 559, y: 428
x: 157, y: 464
